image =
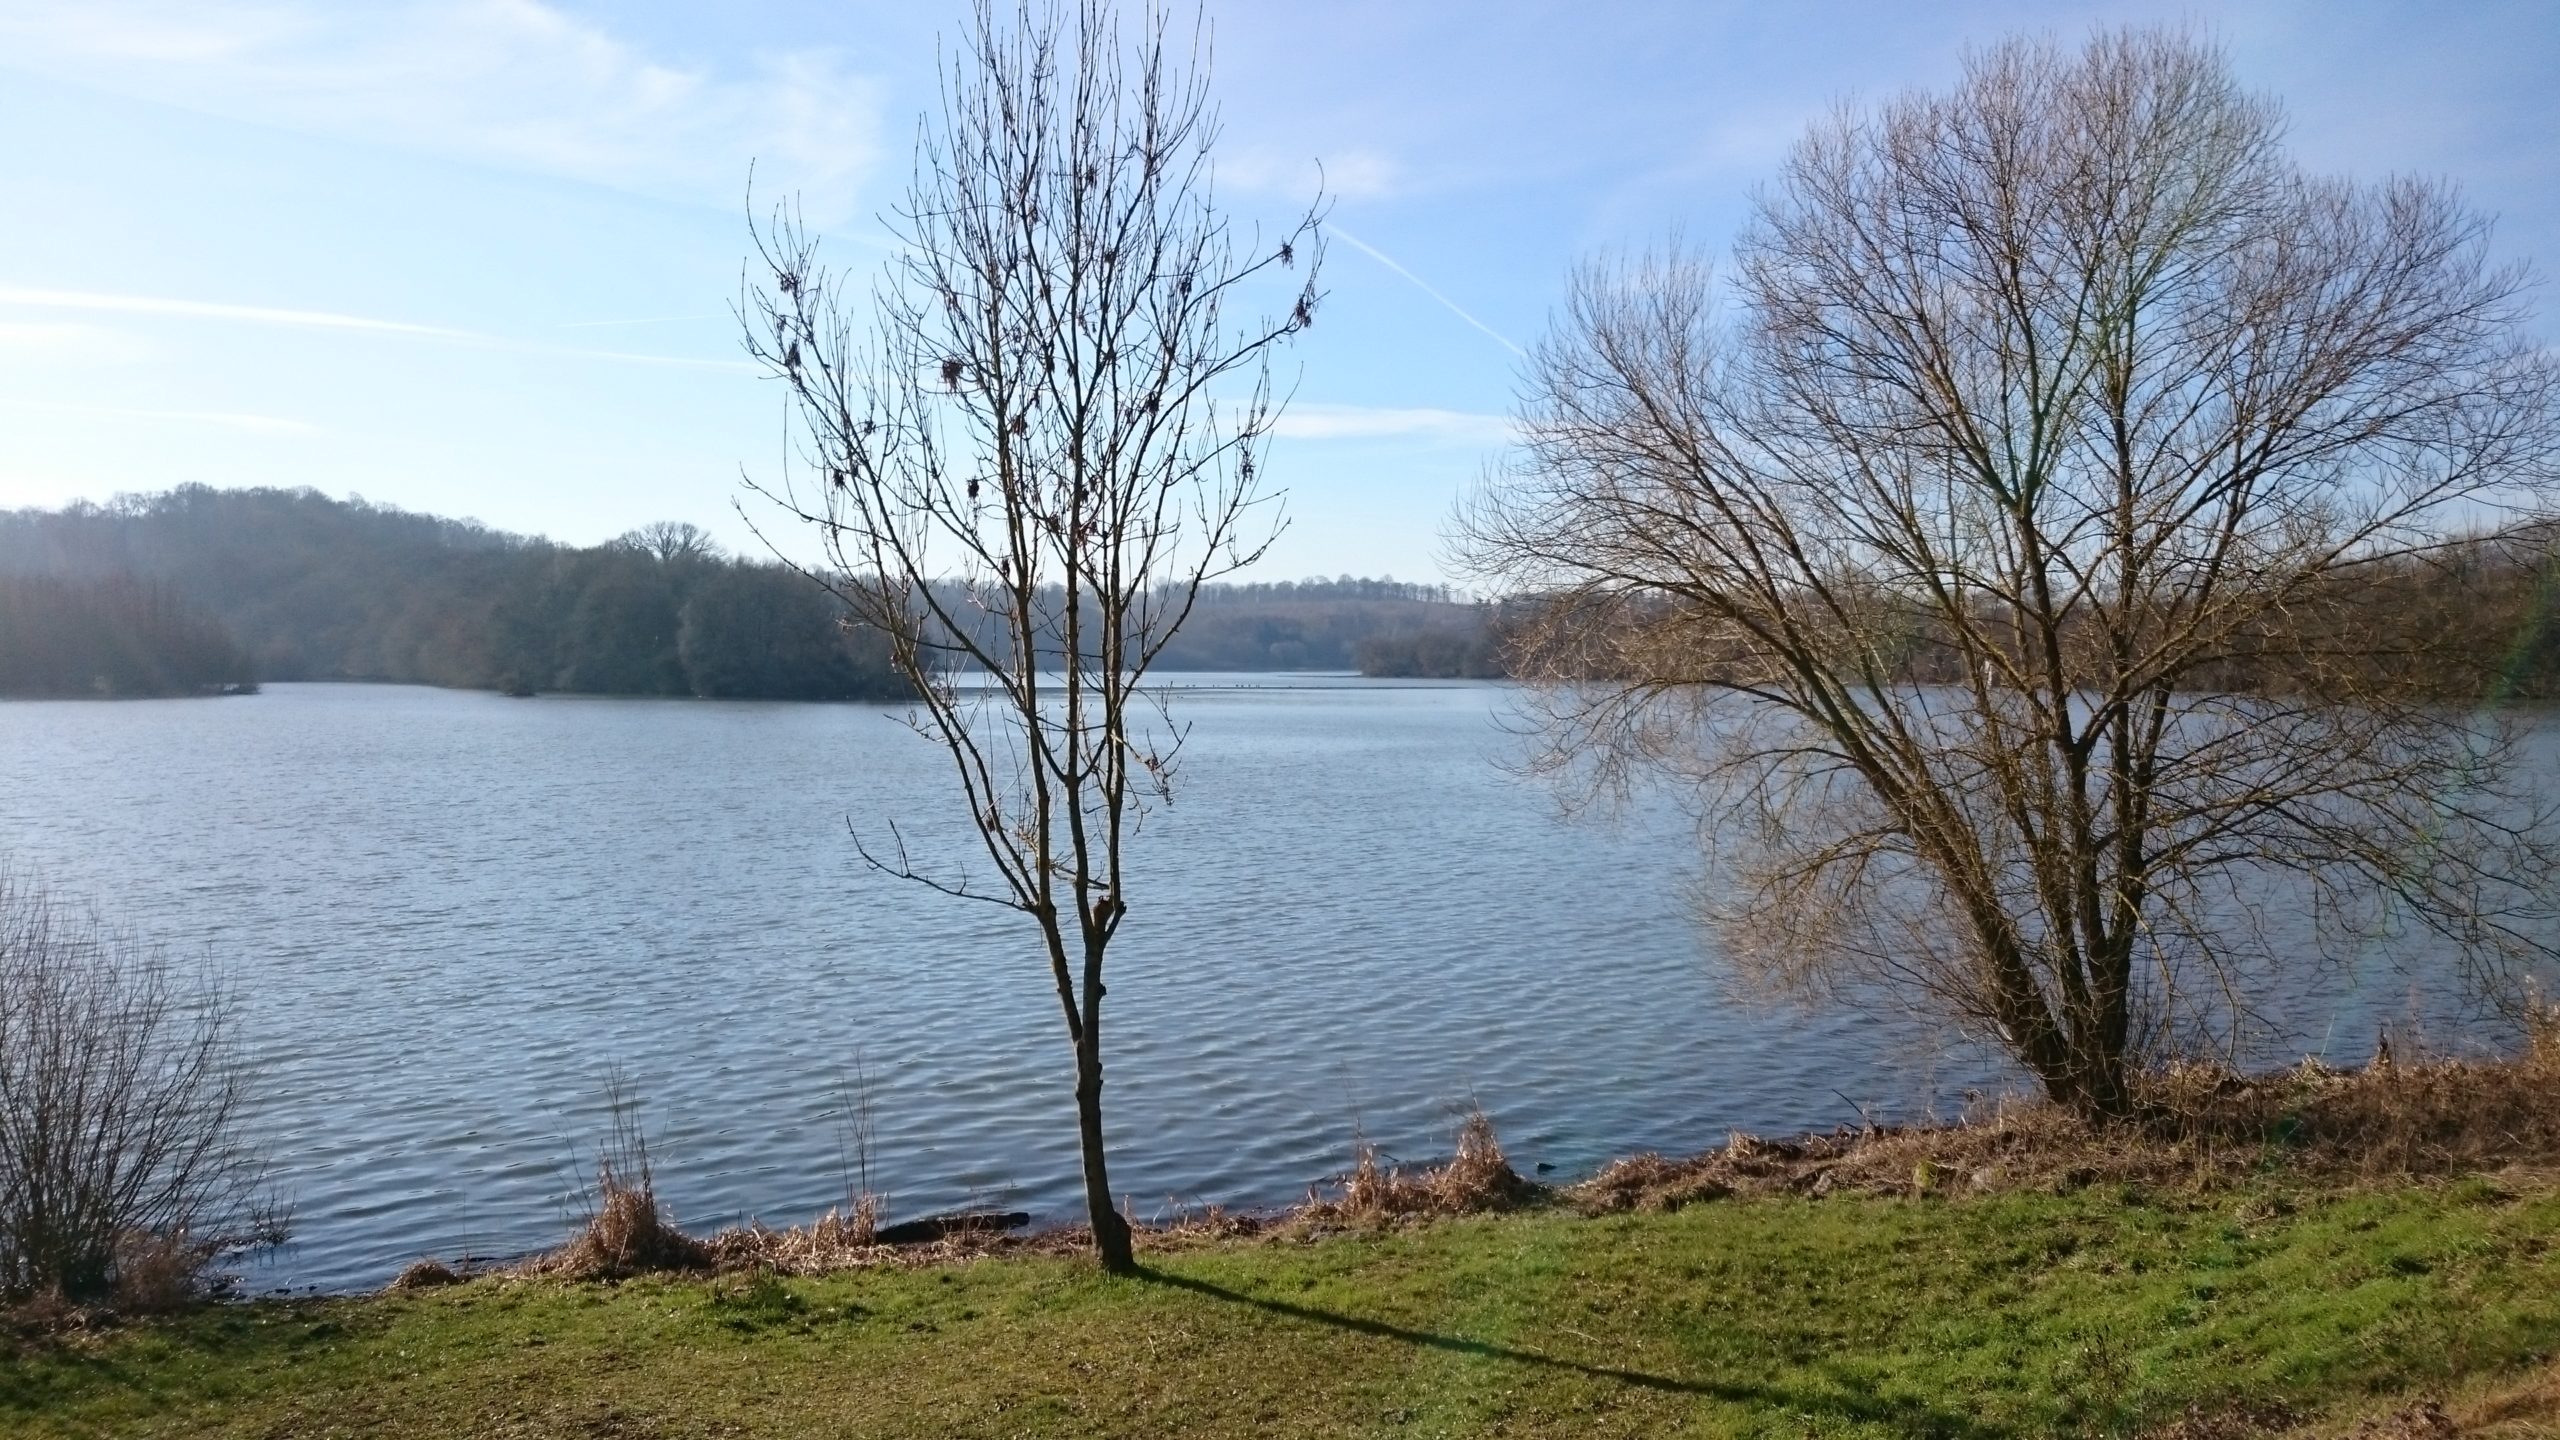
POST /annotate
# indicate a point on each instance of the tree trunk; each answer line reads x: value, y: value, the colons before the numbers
x: 1110, y: 1231
x: 2090, y: 1081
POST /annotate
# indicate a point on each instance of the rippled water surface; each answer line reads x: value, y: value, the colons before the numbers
x: 450, y: 912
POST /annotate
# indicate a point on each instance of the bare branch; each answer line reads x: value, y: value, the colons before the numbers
x: 1999, y: 567
x: 1034, y: 441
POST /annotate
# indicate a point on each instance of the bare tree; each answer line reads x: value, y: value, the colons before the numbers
x: 122, y: 1166
x: 671, y: 542
x: 1034, y: 449
x: 2043, y: 408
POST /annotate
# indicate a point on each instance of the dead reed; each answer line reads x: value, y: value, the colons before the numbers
x: 627, y: 1232
x: 1477, y: 1177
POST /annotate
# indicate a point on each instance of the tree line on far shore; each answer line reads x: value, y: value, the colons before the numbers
x: 2472, y: 620
x: 112, y: 638
x: 294, y: 585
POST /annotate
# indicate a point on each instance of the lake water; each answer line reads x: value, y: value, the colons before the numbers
x: 448, y: 913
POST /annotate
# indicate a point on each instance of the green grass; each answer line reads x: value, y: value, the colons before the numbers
x: 2009, y: 1316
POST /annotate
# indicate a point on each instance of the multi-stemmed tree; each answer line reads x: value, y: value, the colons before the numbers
x: 1996, y: 555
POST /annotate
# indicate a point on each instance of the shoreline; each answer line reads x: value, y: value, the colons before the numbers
x: 2368, y: 1253
x: 2205, y: 1128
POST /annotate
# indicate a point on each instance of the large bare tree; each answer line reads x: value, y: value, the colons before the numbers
x: 1032, y: 448
x: 1989, y: 558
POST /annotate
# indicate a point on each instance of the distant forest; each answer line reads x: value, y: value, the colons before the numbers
x: 1376, y: 627
x: 310, y: 588
x: 114, y: 638
x: 293, y: 585
x: 2474, y: 620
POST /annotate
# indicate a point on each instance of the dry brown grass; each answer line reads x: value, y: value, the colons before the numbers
x: 2425, y: 1420
x: 2523, y: 1409
x: 1478, y: 1177
x: 629, y: 1234
x: 842, y: 1239
x: 2199, y: 1125
x: 2244, y: 1421
x: 2527, y: 1409
x: 2542, y: 1033
x: 2421, y: 1420
x: 426, y: 1275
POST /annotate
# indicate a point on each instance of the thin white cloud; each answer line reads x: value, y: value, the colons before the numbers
x: 638, y: 320
x: 1336, y: 232
x: 621, y: 357
x: 214, y: 310
x: 70, y: 342
x: 1369, y: 422
x: 514, y: 83
x: 223, y: 419
x: 331, y: 320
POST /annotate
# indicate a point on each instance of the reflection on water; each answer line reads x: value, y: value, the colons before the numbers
x: 449, y: 912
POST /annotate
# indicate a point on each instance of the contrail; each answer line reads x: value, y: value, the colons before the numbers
x: 642, y: 320
x: 1374, y: 253
x: 209, y: 310
x: 330, y: 320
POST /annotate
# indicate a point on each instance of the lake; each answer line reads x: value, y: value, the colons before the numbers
x: 448, y: 913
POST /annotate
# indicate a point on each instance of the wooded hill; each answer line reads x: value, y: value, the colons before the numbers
x: 318, y: 589
x: 313, y: 588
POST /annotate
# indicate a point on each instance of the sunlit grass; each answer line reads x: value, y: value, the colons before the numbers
x: 2009, y: 1316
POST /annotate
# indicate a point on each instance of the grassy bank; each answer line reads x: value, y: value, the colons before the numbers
x: 2102, y: 1311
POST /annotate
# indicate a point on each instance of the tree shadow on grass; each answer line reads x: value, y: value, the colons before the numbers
x: 1860, y: 1403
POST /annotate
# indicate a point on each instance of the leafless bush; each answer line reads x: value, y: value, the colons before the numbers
x: 123, y: 1172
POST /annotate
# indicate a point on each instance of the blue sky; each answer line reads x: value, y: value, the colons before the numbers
x: 475, y: 256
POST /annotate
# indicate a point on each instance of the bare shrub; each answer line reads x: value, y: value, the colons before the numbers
x: 123, y: 1170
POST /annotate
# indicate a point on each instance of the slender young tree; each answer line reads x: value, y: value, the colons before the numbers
x: 1028, y: 452
x: 1991, y: 560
